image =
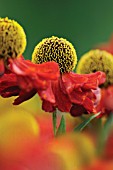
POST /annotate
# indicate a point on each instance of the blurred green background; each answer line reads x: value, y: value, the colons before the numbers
x: 83, y: 22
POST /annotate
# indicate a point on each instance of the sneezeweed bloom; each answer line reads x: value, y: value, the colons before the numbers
x: 69, y: 89
x: 12, y: 42
x: 97, y: 60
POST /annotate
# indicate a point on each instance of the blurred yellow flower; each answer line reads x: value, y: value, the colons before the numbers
x: 18, y: 132
x: 75, y: 149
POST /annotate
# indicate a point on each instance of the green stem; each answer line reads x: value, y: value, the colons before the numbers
x: 62, y: 127
x: 104, y: 133
x: 54, y: 123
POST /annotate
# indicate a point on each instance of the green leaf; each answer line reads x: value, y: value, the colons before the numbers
x: 62, y: 127
x: 104, y: 133
x: 81, y: 126
x: 54, y: 123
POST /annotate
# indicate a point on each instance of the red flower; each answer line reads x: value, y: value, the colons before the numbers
x: 26, y: 78
x: 69, y: 92
x: 73, y: 93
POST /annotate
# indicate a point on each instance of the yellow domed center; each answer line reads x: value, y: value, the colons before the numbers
x: 12, y: 39
x: 56, y: 49
x: 97, y: 60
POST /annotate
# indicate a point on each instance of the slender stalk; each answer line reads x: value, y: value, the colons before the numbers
x: 62, y: 126
x: 54, y: 122
x: 104, y: 133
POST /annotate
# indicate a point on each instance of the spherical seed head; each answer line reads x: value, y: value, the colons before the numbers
x: 12, y: 39
x: 56, y: 49
x: 97, y: 60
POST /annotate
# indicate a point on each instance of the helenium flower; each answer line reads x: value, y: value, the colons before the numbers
x: 70, y: 88
x: 12, y: 42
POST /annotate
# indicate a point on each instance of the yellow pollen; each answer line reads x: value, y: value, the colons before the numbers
x: 97, y: 60
x: 56, y: 49
x: 12, y: 39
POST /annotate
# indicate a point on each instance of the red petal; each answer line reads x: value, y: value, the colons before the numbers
x: 47, y: 94
x: 79, y: 88
x: 72, y: 80
x: 77, y: 110
x: 108, y: 98
x: 10, y: 91
x: 8, y: 85
x: 62, y: 100
x: 85, y: 81
x: 23, y: 96
x: 32, y: 75
x: 48, y: 107
x: 2, y: 68
x: 48, y: 70
x: 94, y: 80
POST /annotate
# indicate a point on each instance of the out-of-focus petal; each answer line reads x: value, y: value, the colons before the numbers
x: 108, y: 46
x: 100, y: 164
x: 105, y: 106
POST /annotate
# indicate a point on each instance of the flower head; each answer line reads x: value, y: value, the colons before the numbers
x: 12, y: 41
x: 56, y: 49
x: 57, y: 91
x: 70, y: 89
x: 97, y: 60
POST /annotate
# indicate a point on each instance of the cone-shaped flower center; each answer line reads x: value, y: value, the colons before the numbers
x: 97, y: 60
x: 12, y: 39
x: 56, y: 49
